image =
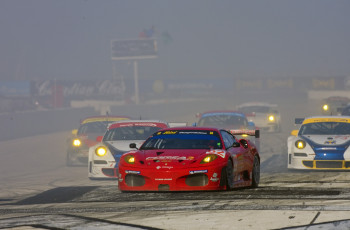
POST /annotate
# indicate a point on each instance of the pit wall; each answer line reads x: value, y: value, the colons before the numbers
x: 323, y: 94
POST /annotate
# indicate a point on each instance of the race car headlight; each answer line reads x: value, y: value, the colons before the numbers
x: 271, y: 118
x: 101, y: 151
x: 325, y: 107
x: 209, y: 158
x: 300, y: 144
x: 76, y: 142
x: 130, y: 159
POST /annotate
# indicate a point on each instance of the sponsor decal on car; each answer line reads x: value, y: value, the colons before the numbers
x: 328, y: 148
x: 198, y: 171
x: 169, y: 158
x: 214, y: 178
x: 132, y: 172
x: 342, y: 137
x: 139, y: 124
x: 193, y: 132
x: 170, y: 132
x: 164, y: 167
x: 163, y: 179
x: 221, y: 153
x: 330, y: 142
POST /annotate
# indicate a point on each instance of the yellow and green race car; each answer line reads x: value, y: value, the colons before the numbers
x: 84, y: 137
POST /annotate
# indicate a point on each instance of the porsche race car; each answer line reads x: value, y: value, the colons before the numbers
x: 346, y: 110
x: 334, y: 105
x: 225, y: 119
x: 104, y: 157
x: 229, y: 120
x: 190, y: 159
x: 321, y: 143
x: 265, y: 115
x: 84, y: 137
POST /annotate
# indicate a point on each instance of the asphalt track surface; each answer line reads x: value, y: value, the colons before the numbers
x: 38, y: 191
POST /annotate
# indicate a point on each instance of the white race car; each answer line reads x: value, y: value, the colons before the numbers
x: 264, y: 115
x: 334, y: 105
x: 104, y: 157
x: 321, y: 143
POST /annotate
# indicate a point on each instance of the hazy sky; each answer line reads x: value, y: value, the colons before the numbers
x: 70, y: 39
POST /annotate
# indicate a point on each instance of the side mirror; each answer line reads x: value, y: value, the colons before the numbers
x: 294, y: 133
x: 132, y: 146
x: 74, y: 131
x: 244, y: 143
x: 99, y: 138
x: 251, y: 123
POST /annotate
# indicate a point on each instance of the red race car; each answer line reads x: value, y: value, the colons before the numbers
x: 189, y: 159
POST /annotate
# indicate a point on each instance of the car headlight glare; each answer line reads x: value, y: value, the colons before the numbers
x: 325, y: 107
x: 130, y: 159
x: 101, y: 151
x: 209, y: 158
x: 76, y: 142
x: 300, y: 144
x: 271, y: 118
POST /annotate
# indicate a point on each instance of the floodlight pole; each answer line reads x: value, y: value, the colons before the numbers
x: 136, y: 79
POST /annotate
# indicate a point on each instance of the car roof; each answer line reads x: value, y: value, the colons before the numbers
x: 337, y: 98
x: 257, y: 104
x: 157, y: 123
x: 104, y: 118
x: 221, y: 112
x: 192, y: 128
x: 315, y: 119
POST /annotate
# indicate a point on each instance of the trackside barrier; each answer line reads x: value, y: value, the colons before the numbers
x: 22, y: 124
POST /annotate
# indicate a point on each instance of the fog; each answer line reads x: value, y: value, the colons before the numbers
x: 56, y: 68
x: 47, y: 39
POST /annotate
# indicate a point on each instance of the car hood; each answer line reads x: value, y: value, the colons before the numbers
x: 327, y: 140
x: 260, y: 118
x: 124, y: 145
x: 179, y: 158
x: 328, y: 147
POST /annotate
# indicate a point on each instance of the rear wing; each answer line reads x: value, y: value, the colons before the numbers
x: 177, y: 124
x: 255, y: 132
x: 299, y: 121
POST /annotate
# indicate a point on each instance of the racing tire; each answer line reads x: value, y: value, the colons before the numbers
x: 229, y: 175
x: 256, y: 173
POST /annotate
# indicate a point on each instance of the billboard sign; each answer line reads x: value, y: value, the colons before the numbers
x: 133, y: 49
x: 15, y: 88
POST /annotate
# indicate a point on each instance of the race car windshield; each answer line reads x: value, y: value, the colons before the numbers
x: 222, y: 121
x: 130, y: 133
x: 98, y: 127
x: 183, y: 141
x: 255, y: 109
x: 325, y: 128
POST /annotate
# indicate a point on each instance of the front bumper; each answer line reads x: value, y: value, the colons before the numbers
x: 100, y: 169
x: 309, y: 164
x: 194, y: 179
